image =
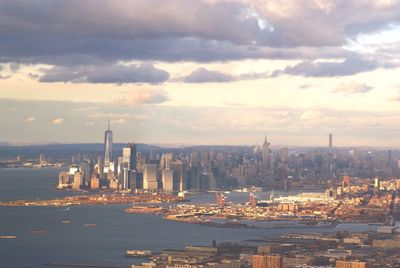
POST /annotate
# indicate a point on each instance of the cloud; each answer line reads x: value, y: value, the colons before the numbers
x: 348, y: 66
x: 352, y: 88
x: 203, y: 30
x: 305, y: 86
x: 33, y: 76
x: 143, y: 96
x: 58, y: 121
x: 90, y: 123
x: 395, y: 98
x: 202, y: 75
x: 30, y: 119
x: 214, y: 125
x: 119, y: 121
x: 310, y: 115
x: 117, y: 74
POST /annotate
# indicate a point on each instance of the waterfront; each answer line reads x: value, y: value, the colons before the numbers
x: 114, y: 233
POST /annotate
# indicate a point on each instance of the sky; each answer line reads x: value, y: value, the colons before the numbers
x: 200, y: 71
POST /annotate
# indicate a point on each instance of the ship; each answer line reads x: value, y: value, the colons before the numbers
x: 7, y: 236
x: 139, y: 253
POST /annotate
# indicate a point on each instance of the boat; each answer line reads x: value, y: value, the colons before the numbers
x: 67, y: 208
x: 36, y: 232
x: 65, y: 222
x: 90, y: 225
x: 139, y: 253
x: 7, y: 236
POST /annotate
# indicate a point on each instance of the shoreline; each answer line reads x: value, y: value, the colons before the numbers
x: 96, y: 199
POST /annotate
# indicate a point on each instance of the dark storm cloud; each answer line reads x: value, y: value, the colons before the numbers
x: 116, y: 74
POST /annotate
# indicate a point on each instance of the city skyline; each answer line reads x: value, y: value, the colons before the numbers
x: 200, y: 133
x: 201, y: 72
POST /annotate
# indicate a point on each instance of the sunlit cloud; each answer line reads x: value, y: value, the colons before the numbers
x: 143, y: 96
x: 352, y: 88
x: 58, y: 121
x: 30, y: 119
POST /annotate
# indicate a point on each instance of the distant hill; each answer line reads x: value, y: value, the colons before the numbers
x: 51, y: 149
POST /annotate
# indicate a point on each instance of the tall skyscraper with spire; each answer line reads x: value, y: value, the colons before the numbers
x: 266, y: 153
x: 108, y: 144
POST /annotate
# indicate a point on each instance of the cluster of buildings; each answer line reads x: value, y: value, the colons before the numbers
x: 309, y: 209
x: 340, y: 250
x: 21, y: 162
x: 127, y: 172
x: 211, y: 168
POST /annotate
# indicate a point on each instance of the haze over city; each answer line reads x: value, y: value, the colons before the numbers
x: 200, y: 72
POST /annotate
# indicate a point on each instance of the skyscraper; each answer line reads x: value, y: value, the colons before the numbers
x: 168, y: 180
x: 330, y: 141
x: 179, y: 179
x: 266, y: 153
x: 128, y: 165
x: 108, y: 144
x: 132, y: 156
x: 150, y: 177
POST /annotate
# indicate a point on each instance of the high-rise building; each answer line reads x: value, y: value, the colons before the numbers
x: 140, y: 161
x: 205, y: 160
x: 63, y: 180
x: 129, y: 156
x: 132, y: 161
x: 267, y: 261
x: 125, y: 178
x: 100, y: 167
x: 42, y: 159
x: 330, y: 141
x: 167, y: 180
x: 108, y: 148
x: 87, y: 169
x: 78, y: 180
x: 377, y: 184
x: 207, y: 181
x: 284, y: 154
x: 165, y: 161
x: 259, y: 261
x: 150, y: 177
x: 266, y: 153
x: 179, y: 179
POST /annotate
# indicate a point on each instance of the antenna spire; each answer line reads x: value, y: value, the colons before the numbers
x: 108, y: 124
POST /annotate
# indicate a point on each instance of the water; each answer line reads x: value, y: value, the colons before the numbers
x: 30, y: 184
x: 114, y: 233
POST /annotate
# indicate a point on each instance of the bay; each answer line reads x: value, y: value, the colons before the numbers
x: 114, y: 232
